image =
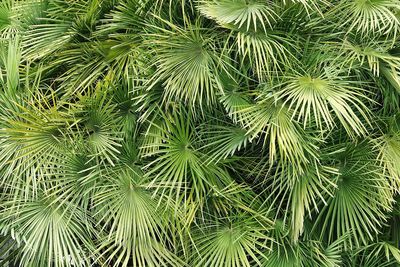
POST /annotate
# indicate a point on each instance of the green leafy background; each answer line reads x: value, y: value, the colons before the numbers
x: 229, y: 133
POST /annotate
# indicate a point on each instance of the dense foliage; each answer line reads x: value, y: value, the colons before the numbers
x: 200, y: 133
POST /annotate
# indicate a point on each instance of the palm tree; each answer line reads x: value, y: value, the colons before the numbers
x: 221, y: 133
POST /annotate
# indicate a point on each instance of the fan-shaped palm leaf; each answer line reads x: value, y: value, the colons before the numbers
x: 362, y: 197
x: 246, y: 14
x: 240, y: 242
x: 188, y: 64
x: 287, y: 142
x: 295, y: 193
x: 132, y: 222
x: 100, y: 126
x: 179, y: 166
x: 319, y: 97
x: 369, y: 17
x: 222, y: 141
x: 49, y: 233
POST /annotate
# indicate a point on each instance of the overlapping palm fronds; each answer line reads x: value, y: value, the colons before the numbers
x: 219, y: 133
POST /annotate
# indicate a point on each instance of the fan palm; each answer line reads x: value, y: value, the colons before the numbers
x: 199, y: 133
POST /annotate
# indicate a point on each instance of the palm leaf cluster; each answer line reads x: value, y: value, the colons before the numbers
x: 199, y: 133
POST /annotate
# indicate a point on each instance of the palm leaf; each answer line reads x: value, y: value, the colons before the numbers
x: 246, y: 14
x: 49, y: 234
x: 361, y: 200
x: 133, y: 223
x: 369, y: 17
x: 229, y: 243
x: 187, y: 58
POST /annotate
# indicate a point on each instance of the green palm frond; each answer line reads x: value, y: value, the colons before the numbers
x: 178, y: 167
x: 375, y: 254
x: 316, y: 5
x: 133, y: 224
x: 33, y: 139
x: 307, y: 191
x: 281, y: 259
x: 303, y: 253
x: 388, y: 146
x: 389, y: 154
x: 369, y: 17
x: 235, y: 103
x: 240, y: 13
x: 99, y: 126
x: 188, y: 63
x: 391, y: 251
x: 240, y: 242
x: 8, y: 25
x: 375, y: 55
x: 75, y: 178
x: 17, y: 16
x: 47, y: 37
x: 324, y: 96
x: 265, y: 51
x: 61, y: 23
x: 223, y: 141
x: 363, y: 195
x: 48, y: 233
x: 285, y: 140
x: 11, y: 59
x: 252, y: 35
